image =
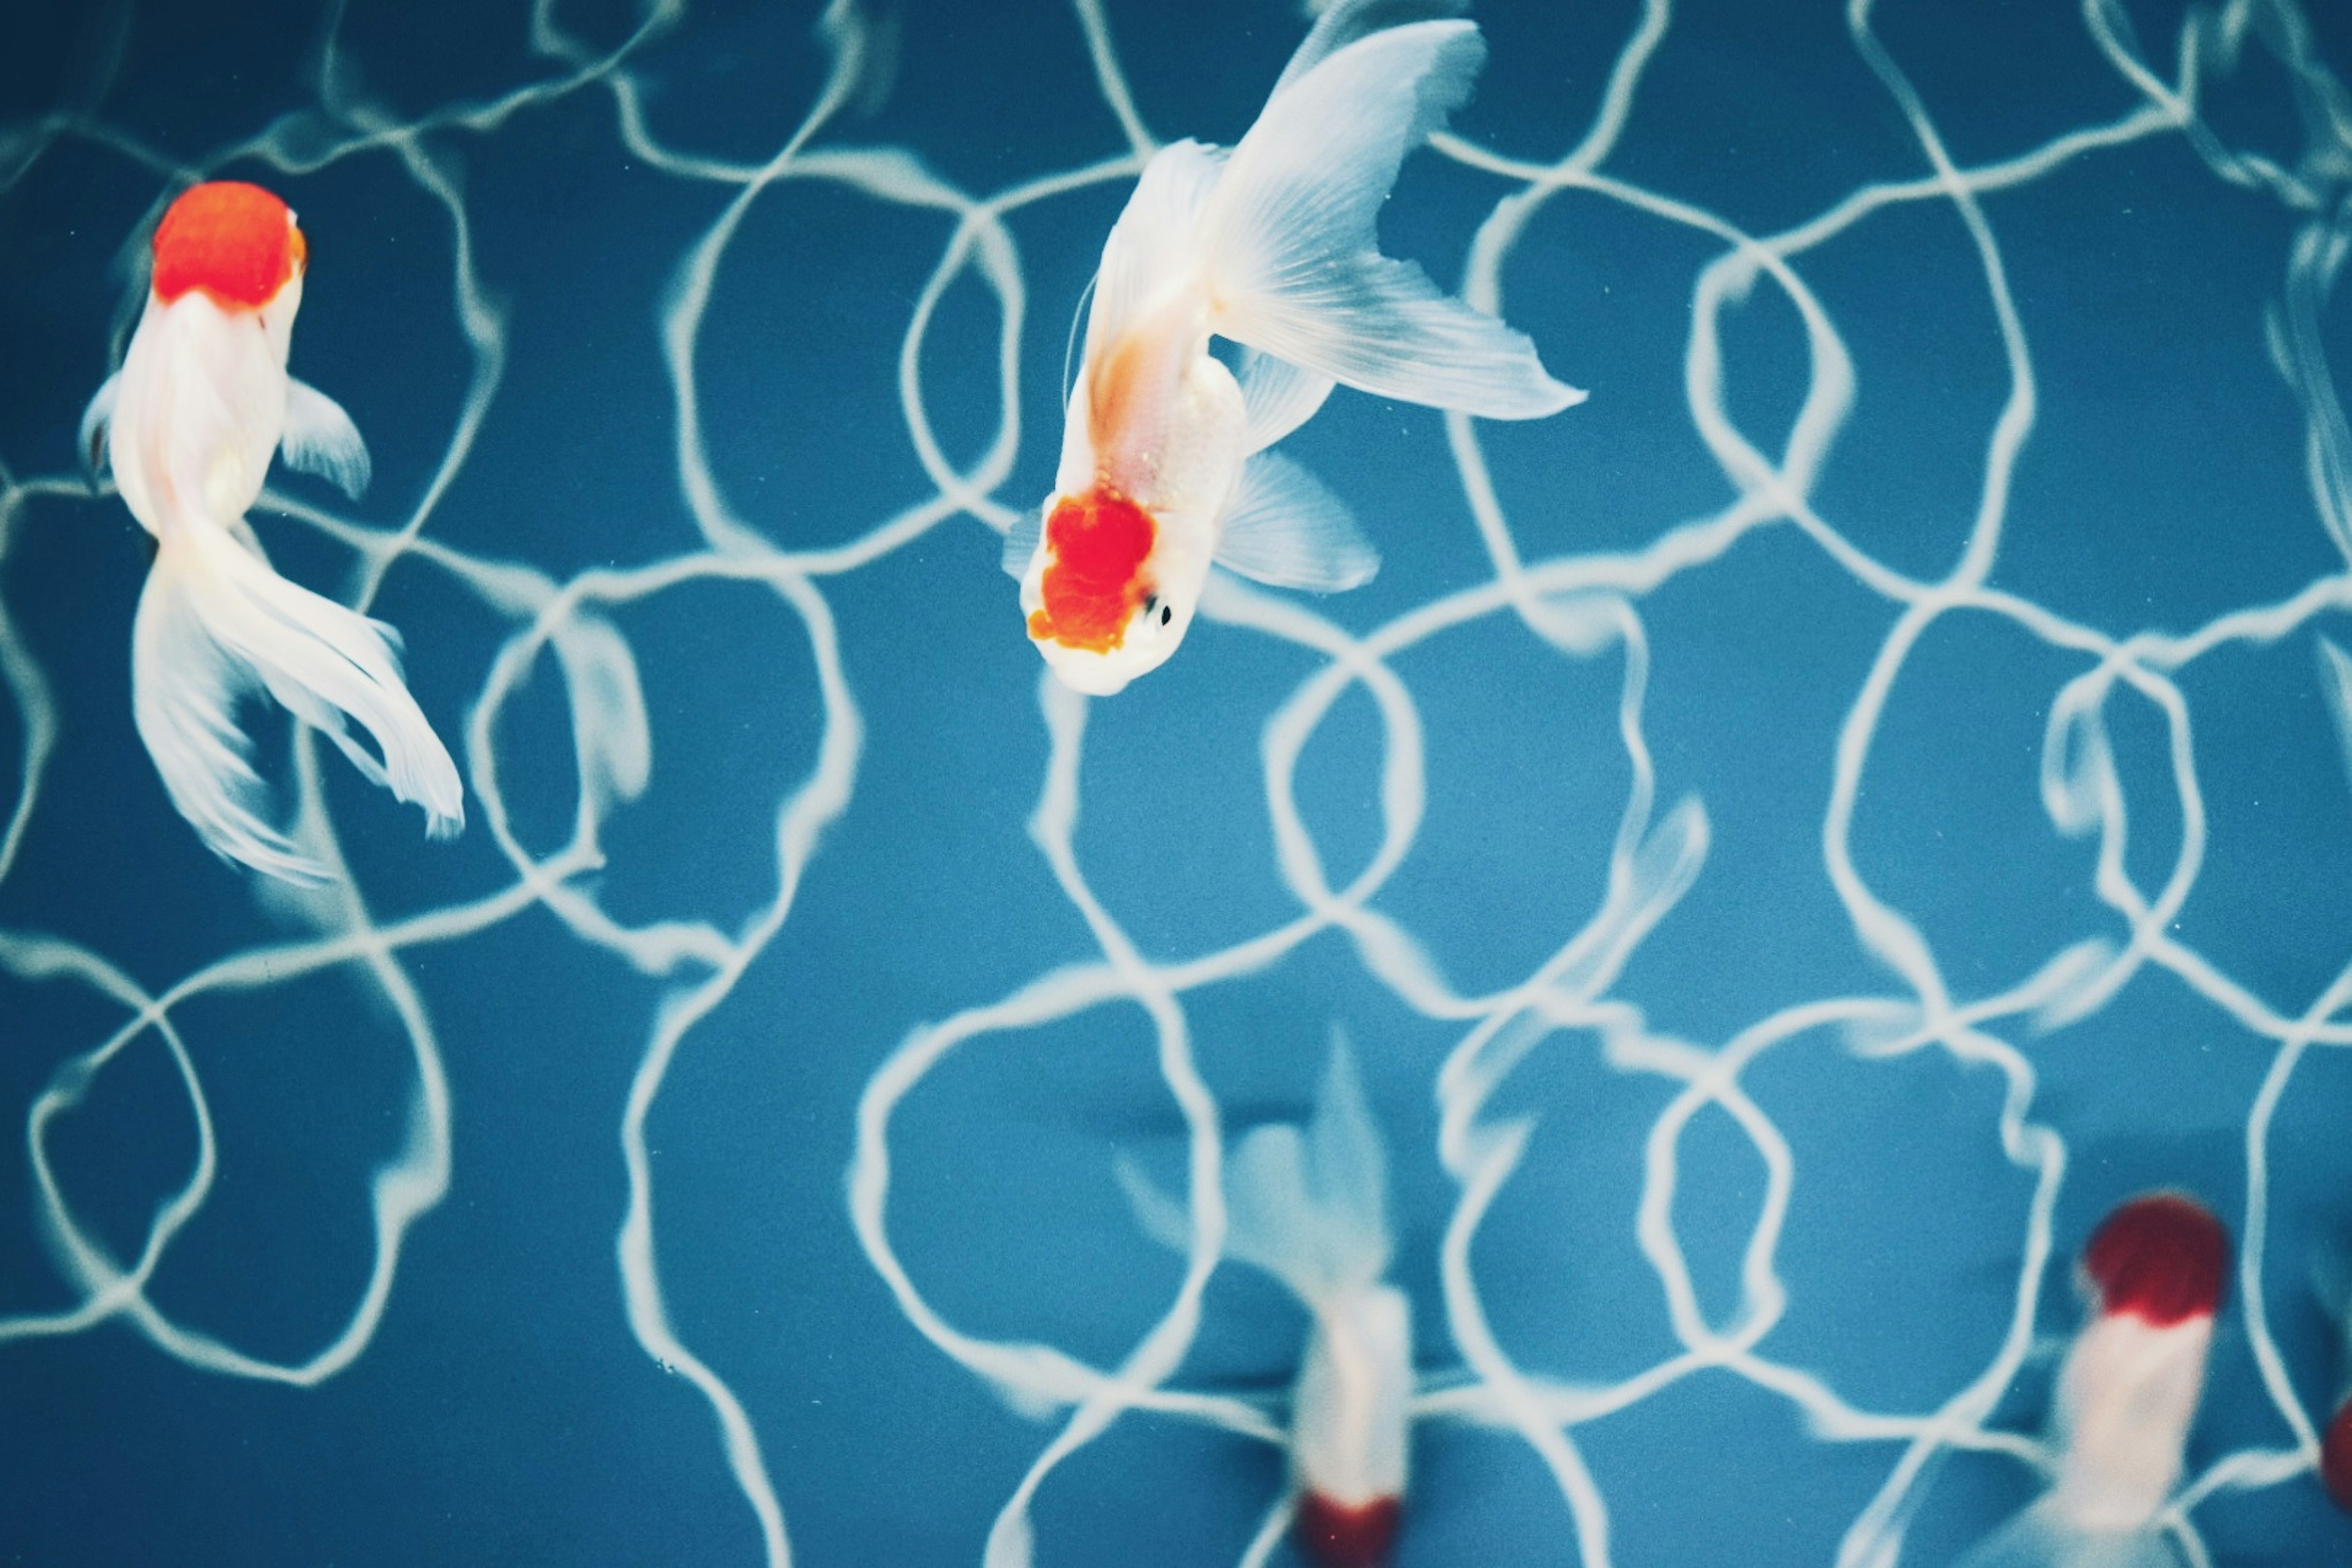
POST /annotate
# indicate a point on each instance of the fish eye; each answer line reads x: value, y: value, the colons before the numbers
x: 1166, y: 613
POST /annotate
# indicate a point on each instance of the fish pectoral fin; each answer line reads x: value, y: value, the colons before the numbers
x: 1020, y: 543
x: 1166, y: 1220
x: 322, y: 439
x: 1294, y: 262
x: 95, y: 422
x: 1286, y: 531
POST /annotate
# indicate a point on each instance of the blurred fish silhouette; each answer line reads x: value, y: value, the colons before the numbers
x: 1164, y: 467
x: 188, y: 425
x: 2331, y: 1277
x: 1310, y: 1207
x: 2154, y: 1274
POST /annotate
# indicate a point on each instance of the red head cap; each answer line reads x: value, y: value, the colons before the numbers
x: 2335, y: 1457
x: 2162, y: 1259
x: 1100, y: 541
x: 236, y: 242
x: 1334, y: 1535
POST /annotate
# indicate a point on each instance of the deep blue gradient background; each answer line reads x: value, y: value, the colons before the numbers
x: 503, y: 1413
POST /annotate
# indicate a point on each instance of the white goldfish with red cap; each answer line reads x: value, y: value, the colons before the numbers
x: 1309, y: 1207
x: 1164, y: 467
x: 189, y: 426
x: 2154, y: 1272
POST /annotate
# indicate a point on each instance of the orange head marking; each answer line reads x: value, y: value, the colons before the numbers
x: 1100, y: 541
x: 236, y: 242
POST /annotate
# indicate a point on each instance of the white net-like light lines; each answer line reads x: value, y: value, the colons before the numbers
x: 1588, y: 608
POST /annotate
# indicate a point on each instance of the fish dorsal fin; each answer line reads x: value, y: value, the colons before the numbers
x: 1153, y: 247
x: 1294, y: 266
x: 1070, y: 342
x: 322, y: 439
x: 96, y: 420
x: 1349, y: 1166
x: 1286, y: 531
x: 1277, y: 397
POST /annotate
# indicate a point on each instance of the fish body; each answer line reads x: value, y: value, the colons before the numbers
x: 188, y: 428
x: 1348, y: 1426
x: 1128, y: 539
x: 1164, y: 467
x: 2154, y: 1273
x: 1308, y: 1205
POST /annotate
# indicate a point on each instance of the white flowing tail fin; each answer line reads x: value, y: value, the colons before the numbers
x: 1342, y: 22
x: 1307, y: 1206
x: 217, y: 625
x: 1294, y: 265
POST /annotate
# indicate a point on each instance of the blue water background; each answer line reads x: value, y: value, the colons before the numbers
x: 504, y: 1414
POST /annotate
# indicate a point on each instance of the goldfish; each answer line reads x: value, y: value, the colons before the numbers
x: 188, y: 425
x: 2154, y: 1274
x: 1164, y: 467
x: 1309, y: 1207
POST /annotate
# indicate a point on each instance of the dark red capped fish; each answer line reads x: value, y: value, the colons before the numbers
x: 1310, y: 1205
x: 2155, y: 1274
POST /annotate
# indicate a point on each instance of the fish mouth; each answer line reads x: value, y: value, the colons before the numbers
x: 1085, y: 671
x: 1045, y: 633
